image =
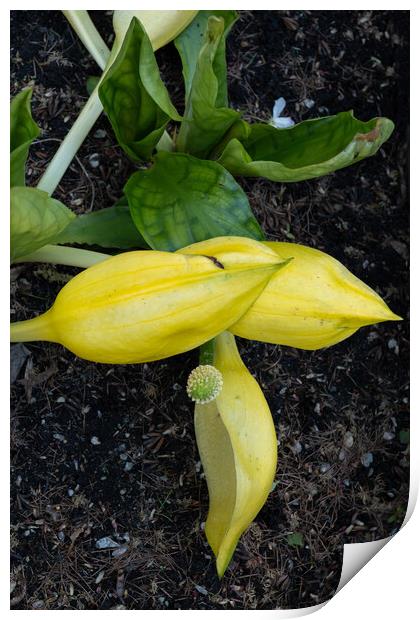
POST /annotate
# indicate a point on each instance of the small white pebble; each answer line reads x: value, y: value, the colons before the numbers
x: 120, y: 551
x: 308, y: 103
x: 38, y: 604
x: 70, y: 492
x: 94, y: 441
x: 324, y: 468
x: 388, y: 436
x: 348, y: 440
x: 94, y: 160
x: 342, y: 455
x: 61, y: 399
x: 393, y: 346
x: 106, y: 543
x: 100, y: 577
x: 367, y: 459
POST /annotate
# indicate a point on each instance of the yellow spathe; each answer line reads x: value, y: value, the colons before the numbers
x: 238, y: 449
x: 313, y: 302
x: 148, y: 305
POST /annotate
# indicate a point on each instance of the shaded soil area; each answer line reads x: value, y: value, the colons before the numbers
x: 109, y: 451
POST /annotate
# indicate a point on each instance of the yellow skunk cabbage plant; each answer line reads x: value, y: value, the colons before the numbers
x: 198, y: 270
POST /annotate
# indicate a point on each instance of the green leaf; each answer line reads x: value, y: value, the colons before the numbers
x: 181, y: 200
x: 134, y: 96
x: 189, y: 44
x: 307, y: 150
x: 295, y: 540
x: 35, y: 220
x: 23, y: 130
x: 112, y: 227
x: 205, y: 122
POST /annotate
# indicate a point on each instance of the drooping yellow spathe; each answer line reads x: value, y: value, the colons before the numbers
x: 313, y: 302
x: 238, y: 449
x: 144, y: 306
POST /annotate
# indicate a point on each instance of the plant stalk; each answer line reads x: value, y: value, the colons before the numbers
x: 38, y: 328
x: 89, y: 36
x: 71, y: 144
x: 207, y: 353
x: 63, y: 255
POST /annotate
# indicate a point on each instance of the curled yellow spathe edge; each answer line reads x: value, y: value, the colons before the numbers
x: 238, y: 449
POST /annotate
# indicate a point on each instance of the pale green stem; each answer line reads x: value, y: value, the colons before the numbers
x: 71, y: 144
x: 93, y: 41
x: 63, y: 255
x: 38, y: 328
x: 89, y: 36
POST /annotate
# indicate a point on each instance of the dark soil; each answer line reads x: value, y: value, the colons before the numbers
x: 109, y: 450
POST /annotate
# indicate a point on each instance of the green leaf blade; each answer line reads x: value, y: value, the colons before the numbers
x: 23, y: 130
x: 189, y: 44
x: 182, y: 200
x: 35, y: 220
x: 307, y: 150
x: 205, y: 122
x: 135, y: 98
x: 112, y: 227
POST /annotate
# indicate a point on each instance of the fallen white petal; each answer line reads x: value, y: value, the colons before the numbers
x: 279, y: 106
x: 282, y: 122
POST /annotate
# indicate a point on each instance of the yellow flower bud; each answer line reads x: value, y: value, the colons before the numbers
x: 313, y: 302
x: 238, y: 449
x: 144, y: 306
